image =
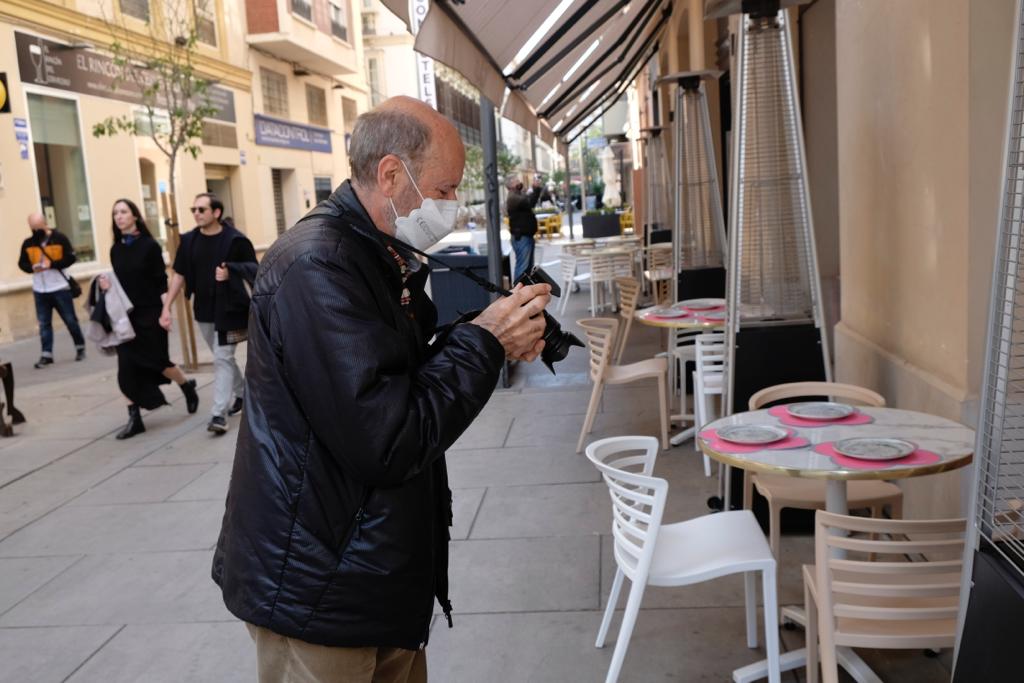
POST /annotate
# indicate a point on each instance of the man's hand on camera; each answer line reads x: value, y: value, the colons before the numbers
x: 516, y: 321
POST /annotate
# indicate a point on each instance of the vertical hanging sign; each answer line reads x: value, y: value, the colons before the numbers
x: 424, y: 64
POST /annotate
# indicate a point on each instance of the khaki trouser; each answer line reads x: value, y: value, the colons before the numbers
x: 288, y: 660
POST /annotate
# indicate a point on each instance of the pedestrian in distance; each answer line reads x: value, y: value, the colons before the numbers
x: 143, y: 363
x: 45, y: 255
x: 213, y: 244
x: 334, y: 543
x: 522, y: 223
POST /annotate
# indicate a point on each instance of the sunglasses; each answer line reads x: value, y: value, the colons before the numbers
x: 199, y: 209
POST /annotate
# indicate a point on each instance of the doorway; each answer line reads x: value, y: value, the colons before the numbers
x: 218, y: 181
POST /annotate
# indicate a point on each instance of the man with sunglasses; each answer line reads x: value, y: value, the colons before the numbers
x: 213, y: 243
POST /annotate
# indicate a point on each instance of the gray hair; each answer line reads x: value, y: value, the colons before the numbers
x: 380, y: 132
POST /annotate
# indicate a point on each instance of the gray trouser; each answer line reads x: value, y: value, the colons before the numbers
x: 227, y: 378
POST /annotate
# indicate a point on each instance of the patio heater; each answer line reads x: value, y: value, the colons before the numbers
x: 775, y: 330
x: 656, y: 218
x: 698, y: 228
x: 992, y: 596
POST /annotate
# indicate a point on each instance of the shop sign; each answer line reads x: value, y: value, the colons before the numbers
x: 55, y: 65
x: 424, y: 64
x: 277, y: 133
x: 241, y: 157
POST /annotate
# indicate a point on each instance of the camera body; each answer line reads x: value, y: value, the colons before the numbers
x: 556, y: 341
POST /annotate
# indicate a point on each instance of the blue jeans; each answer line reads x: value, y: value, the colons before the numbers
x: 523, y: 248
x: 65, y: 305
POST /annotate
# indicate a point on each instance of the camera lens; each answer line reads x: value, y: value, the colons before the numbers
x: 556, y: 342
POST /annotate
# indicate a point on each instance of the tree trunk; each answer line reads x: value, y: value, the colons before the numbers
x: 186, y: 330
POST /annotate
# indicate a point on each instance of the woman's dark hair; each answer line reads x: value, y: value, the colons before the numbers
x: 140, y: 222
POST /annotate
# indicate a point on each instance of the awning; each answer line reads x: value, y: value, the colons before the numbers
x: 564, y: 61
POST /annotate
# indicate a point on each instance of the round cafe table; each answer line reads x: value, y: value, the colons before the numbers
x: 693, y: 321
x: 949, y: 444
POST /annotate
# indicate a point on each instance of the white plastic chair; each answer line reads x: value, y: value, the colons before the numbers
x: 650, y: 553
x: 629, y: 294
x: 892, y: 603
x: 707, y: 382
x: 601, y: 335
x: 571, y: 262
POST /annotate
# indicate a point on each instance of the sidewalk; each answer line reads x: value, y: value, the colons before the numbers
x: 105, y: 546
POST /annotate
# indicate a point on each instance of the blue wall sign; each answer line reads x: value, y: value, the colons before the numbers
x: 278, y: 133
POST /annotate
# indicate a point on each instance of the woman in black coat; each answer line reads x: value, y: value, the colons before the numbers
x: 143, y: 363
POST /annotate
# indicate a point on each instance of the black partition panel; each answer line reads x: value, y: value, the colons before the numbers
x: 775, y: 354
x: 453, y: 293
x: 988, y: 646
x: 702, y: 283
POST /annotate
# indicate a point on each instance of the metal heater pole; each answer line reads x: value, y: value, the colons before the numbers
x: 568, y: 189
x: 489, y: 139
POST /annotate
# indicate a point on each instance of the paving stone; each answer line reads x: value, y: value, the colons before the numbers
x: 557, y: 647
x: 119, y: 529
x: 197, y: 446
x: 487, y: 431
x: 20, y: 576
x: 170, y: 653
x: 47, y: 654
x: 517, y: 466
x: 465, y: 504
x: 137, y: 588
x: 548, y: 510
x: 212, y: 485
x: 141, y: 485
x: 518, y: 575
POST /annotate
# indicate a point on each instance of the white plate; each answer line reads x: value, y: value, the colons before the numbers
x: 714, y: 315
x: 819, y: 410
x: 668, y: 313
x: 752, y: 434
x: 701, y: 304
x: 870, y: 448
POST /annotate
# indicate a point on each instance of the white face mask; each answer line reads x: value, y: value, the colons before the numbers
x: 426, y: 226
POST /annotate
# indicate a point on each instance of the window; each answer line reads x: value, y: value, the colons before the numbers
x: 369, y: 23
x: 373, y: 79
x: 321, y: 187
x: 136, y: 8
x: 339, y: 19
x: 275, y: 92
x: 206, y: 21
x: 60, y: 170
x: 367, y: 4
x: 303, y: 8
x: 277, y: 189
x: 316, y: 105
x: 350, y: 112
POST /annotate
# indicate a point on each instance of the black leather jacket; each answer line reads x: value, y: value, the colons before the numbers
x: 336, y: 525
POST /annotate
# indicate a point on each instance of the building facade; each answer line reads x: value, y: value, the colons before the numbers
x: 288, y: 84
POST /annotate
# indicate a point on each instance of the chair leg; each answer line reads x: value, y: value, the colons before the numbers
x: 774, y: 527
x: 636, y: 594
x: 566, y: 292
x: 588, y: 422
x: 663, y: 411
x: 609, y: 610
x: 750, y: 602
x: 811, y: 635
x: 748, y: 491
x: 698, y: 413
x: 622, y: 342
x: 771, y: 621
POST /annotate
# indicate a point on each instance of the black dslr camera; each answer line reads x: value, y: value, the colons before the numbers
x: 556, y: 342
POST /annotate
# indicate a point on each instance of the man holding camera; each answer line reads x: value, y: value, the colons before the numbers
x: 334, y: 543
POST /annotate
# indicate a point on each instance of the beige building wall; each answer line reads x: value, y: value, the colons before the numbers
x: 922, y: 87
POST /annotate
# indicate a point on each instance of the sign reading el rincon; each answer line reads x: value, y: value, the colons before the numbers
x: 278, y: 133
x: 55, y: 65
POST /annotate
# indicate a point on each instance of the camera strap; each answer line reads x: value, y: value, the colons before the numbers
x: 465, y: 272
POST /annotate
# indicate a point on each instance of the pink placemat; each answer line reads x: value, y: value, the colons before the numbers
x: 791, y: 441
x: 698, y: 311
x: 855, y: 418
x: 690, y: 316
x: 918, y: 457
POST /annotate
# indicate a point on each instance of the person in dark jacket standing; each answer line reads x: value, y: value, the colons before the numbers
x: 522, y: 224
x: 334, y: 543
x: 143, y: 363
x: 45, y: 255
x: 211, y: 245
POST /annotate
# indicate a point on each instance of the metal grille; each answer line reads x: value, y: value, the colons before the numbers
x: 776, y: 274
x: 1000, y: 448
x: 657, y: 182
x: 278, y: 189
x: 275, y: 92
x: 701, y: 234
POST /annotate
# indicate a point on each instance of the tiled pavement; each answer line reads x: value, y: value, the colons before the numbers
x: 105, y: 546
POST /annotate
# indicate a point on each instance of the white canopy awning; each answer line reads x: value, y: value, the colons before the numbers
x: 564, y: 60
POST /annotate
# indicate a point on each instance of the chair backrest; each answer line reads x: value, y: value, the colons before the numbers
x: 658, y: 259
x: 914, y: 602
x: 803, y: 389
x: 568, y: 260
x: 602, y: 267
x: 629, y: 294
x: 710, y: 352
x: 638, y: 499
x: 622, y: 264
x: 601, y: 339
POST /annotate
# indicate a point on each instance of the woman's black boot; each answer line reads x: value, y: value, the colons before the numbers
x: 134, y: 425
x: 191, y: 395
